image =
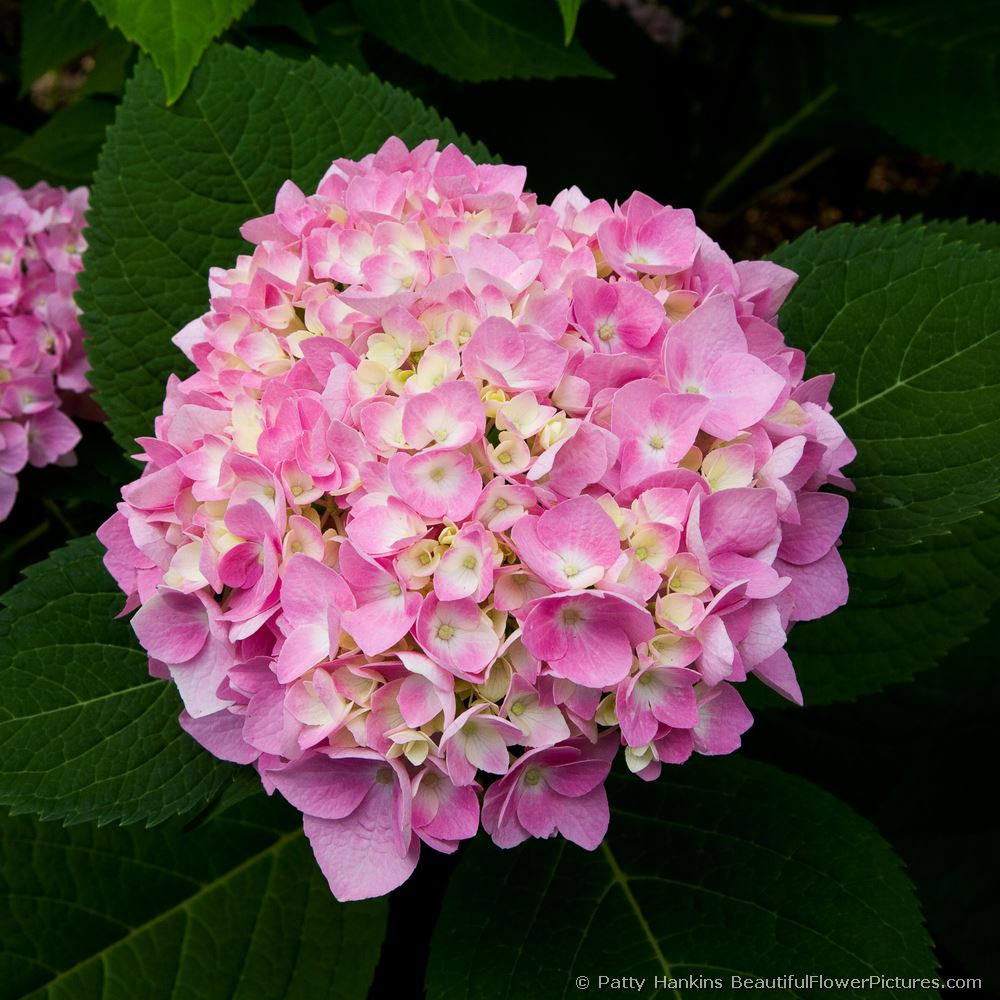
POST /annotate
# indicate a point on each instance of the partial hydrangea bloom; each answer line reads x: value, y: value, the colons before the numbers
x: 474, y: 492
x: 42, y: 361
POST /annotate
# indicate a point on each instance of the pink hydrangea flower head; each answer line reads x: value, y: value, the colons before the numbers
x: 469, y: 495
x: 43, y: 367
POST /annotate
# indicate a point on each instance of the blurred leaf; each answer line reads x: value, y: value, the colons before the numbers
x: 723, y: 867
x: 768, y: 141
x: 85, y: 732
x: 175, y: 33
x: 288, y: 14
x: 112, y: 61
x: 341, y: 50
x: 928, y: 73
x: 65, y: 149
x: 911, y: 327
x: 53, y: 32
x: 174, y: 186
x: 237, y: 909
x: 914, y: 763
x: 570, y: 10
x: 479, y: 39
x: 936, y: 812
x: 339, y: 36
x: 908, y: 608
x: 9, y: 138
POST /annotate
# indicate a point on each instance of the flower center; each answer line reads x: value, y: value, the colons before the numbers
x: 446, y: 632
x: 532, y: 776
x: 571, y: 616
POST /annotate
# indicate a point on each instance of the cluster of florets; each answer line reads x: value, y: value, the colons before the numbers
x: 469, y: 490
x: 42, y: 362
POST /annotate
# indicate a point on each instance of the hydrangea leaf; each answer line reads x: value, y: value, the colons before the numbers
x: 720, y: 868
x: 980, y: 233
x: 237, y: 908
x: 908, y: 608
x: 910, y: 324
x: 479, y: 40
x: 175, y: 33
x: 174, y: 185
x: 570, y: 10
x: 927, y: 73
x: 85, y: 732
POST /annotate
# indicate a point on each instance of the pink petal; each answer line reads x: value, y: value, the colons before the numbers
x: 171, y: 626
x: 778, y: 674
x: 385, y: 529
x: 358, y: 854
x: 199, y: 678
x: 221, y: 734
x: 456, y: 634
x: 742, y: 390
x: 821, y: 520
x: 304, y: 648
x: 325, y: 787
x: 724, y: 718
x: 437, y: 484
x: 817, y: 589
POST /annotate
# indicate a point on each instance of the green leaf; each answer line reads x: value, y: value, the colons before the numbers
x: 570, y: 10
x: 927, y: 73
x: 175, y: 33
x: 65, y: 149
x: 985, y: 235
x: 236, y: 909
x: 53, y: 32
x: 174, y: 185
x: 479, y: 39
x: 908, y: 608
x: 910, y: 325
x: 720, y: 868
x: 85, y: 732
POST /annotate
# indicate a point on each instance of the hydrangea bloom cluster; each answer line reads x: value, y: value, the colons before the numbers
x: 42, y: 361
x: 471, y: 492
